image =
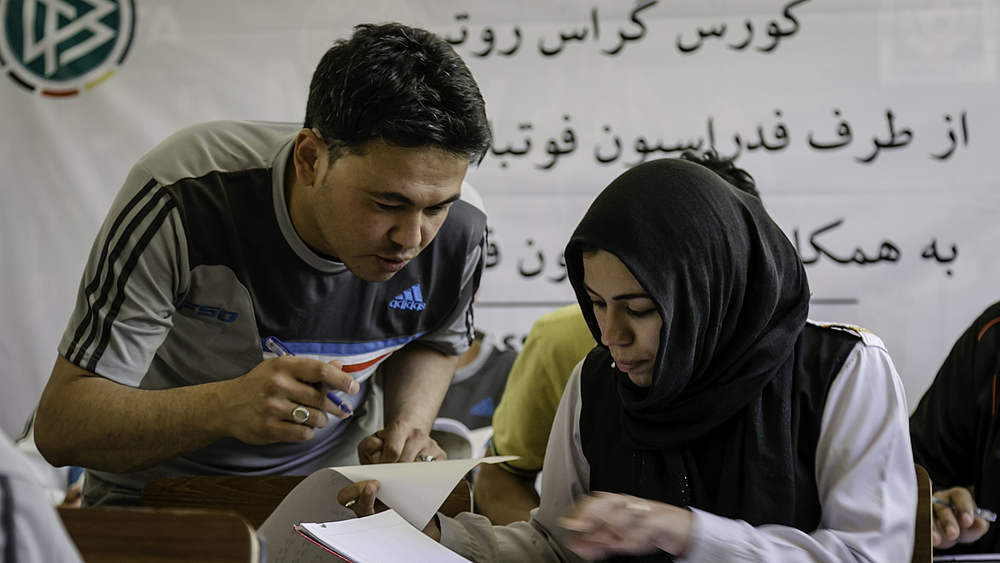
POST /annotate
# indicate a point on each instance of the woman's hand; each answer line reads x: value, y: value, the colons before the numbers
x: 360, y: 497
x: 607, y: 524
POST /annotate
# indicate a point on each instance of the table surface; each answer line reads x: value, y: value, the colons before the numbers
x: 138, y: 535
x: 253, y: 498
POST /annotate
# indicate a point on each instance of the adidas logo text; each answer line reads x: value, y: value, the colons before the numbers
x: 410, y: 300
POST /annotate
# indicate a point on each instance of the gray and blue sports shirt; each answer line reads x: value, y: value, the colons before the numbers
x: 197, y: 261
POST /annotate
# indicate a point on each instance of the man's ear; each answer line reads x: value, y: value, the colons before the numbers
x: 308, y: 156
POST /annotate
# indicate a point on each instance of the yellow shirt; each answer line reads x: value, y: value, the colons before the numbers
x: 557, y: 342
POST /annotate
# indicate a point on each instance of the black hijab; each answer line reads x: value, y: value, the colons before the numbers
x: 729, y: 286
x: 721, y: 427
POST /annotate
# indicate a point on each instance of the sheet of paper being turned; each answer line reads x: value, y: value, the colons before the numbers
x: 414, y: 490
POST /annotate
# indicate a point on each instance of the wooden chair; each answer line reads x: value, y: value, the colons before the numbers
x: 143, y: 535
x: 923, y: 548
x: 253, y: 498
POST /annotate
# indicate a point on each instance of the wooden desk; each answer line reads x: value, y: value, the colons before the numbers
x: 253, y: 498
x: 144, y: 535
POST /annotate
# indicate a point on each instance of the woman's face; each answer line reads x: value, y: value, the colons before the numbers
x: 627, y: 316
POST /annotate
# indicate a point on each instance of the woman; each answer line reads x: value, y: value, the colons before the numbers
x: 721, y: 424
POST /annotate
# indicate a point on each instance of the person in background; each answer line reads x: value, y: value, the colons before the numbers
x: 30, y: 528
x: 479, y: 382
x: 712, y: 422
x: 342, y: 237
x: 505, y: 492
x: 955, y: 431
x: 558, y: 340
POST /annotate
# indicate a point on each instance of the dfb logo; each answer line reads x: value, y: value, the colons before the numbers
x: 59, y: 48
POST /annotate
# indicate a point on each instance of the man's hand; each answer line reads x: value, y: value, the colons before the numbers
x: 150, y: 426
x: 958, y: 524
x: 360, y: 497
x: 259, y: 404
x: 608, y: 524
x: 416, y: 379
x: 399, y: 443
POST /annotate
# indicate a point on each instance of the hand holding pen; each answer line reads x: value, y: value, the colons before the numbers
x: 281, y: 399
x: 300, y: 414
x: 957, y: 519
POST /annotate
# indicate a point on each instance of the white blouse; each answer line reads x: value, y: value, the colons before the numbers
x: 864, y: 474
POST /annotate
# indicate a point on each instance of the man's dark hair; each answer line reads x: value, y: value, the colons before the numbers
x: 402, y: 85
x: 725, y: 168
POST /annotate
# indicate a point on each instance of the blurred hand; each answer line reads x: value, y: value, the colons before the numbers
x: 608, y: 524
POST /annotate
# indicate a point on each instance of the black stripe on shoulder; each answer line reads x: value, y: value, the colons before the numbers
x: 7, y: 521
x: 127, y: 268
x: 821, y: 352
x: 91, y: 320
x: 103, y: 260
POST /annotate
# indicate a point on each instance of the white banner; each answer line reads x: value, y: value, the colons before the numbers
x: 870, y: 127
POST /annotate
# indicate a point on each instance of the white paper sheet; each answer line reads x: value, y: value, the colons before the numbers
x: 416, y: 490
x: 312, y: 500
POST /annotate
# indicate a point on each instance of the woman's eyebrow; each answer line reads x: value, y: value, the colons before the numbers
x: 623, y: 296
x: 627, y: 296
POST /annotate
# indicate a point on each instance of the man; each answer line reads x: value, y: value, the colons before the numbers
x: 505, y: 492
x: 954, y: 432
x: 344, y: 239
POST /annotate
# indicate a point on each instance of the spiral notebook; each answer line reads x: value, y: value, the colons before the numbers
x: 381, y: 537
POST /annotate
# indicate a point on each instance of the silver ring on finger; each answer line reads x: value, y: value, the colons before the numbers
x: 422, y: 457
x: 300, y: 414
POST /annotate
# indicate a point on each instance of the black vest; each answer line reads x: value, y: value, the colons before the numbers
x: 722, y: 472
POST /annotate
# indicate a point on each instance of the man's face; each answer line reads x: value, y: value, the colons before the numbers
x: 376, y: 210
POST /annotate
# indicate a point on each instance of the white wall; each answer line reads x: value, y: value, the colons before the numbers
x: 925, y: 61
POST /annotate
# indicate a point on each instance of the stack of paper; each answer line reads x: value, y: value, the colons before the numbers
x: 381, y: 537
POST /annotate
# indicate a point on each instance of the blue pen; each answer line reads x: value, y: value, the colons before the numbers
x: 276, y: 347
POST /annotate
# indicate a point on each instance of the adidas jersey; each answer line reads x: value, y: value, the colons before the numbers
x: 198, y: 261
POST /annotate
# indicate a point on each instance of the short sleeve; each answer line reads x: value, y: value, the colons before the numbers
x: 135, y: 273
x: 458, y: 330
